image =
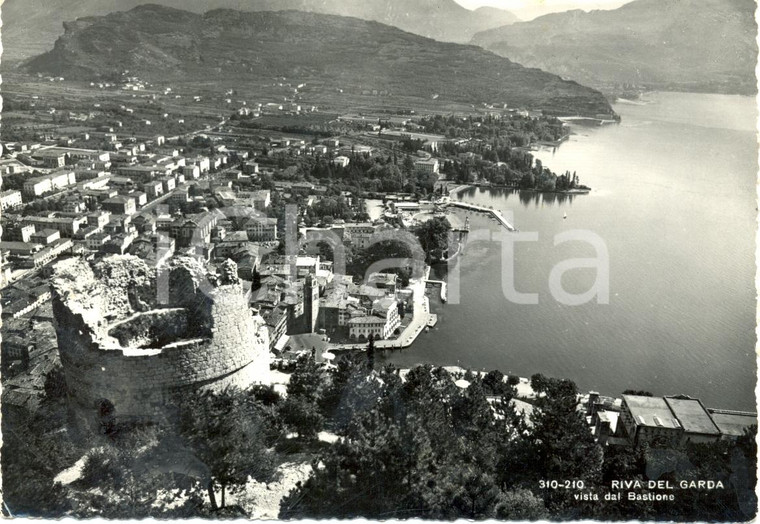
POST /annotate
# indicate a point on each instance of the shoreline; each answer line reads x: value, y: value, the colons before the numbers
x: 497, y: 199
x: 578, y: 191
x: 587, y: 120
x: 552, y: 143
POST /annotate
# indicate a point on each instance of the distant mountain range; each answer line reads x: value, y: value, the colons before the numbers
x: 165, y: 45
x: 704, y: 45
x: 31, y: 26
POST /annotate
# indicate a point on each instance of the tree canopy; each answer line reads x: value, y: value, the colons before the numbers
x: 433, y: 235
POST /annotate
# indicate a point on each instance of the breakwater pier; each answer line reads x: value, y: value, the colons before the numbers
x: 481, y: 209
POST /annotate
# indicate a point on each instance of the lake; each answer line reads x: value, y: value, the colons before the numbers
x: 673, y: 198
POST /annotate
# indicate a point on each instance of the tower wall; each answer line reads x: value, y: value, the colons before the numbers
x: 213, y: 341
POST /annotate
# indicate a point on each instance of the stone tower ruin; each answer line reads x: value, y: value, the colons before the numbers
x: 131, y: 339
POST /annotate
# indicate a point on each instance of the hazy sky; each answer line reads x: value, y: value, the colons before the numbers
x: 527, y: 9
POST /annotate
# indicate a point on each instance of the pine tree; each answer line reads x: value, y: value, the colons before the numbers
x: 371, y: 352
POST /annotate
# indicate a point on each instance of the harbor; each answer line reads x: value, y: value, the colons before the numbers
x: 697, y: 322
x: 481, y: 209
x: 423, y: 319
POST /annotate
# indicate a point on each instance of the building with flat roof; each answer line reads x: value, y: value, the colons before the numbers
x: 648, y: 418
x: 732, y: 423
x: 697, y: 425
x: 678, y: 420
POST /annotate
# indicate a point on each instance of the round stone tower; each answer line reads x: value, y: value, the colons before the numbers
x: 131, y: 340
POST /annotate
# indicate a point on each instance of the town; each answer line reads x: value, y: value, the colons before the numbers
x: 90, y: 171
x: 94, y: 179
x: 269, y: 223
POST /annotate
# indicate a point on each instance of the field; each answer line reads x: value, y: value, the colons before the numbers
x: 293, y: 121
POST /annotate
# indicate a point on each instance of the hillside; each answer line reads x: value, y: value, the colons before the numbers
x: 30, y: 27
x: 703, y: 45
x: 165, y: 45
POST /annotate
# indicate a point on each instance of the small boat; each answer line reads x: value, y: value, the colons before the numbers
x: 565, y: 217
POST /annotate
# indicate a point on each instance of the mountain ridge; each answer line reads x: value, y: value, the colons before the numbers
x: 164, y: 45
x: 681, y: 45
x: 31, y: 26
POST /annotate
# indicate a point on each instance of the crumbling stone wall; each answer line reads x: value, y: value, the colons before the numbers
x: 119, y: 343
x: 152, y: 329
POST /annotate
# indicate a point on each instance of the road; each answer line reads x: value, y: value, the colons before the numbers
x: 209, y: 129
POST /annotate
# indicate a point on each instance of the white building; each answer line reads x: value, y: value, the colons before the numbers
x: 427, y: 166
x: 40, y: 185
x: 383, y: 323
x: 261, y: 229
x: 341, y: 161
x: 10, y: 199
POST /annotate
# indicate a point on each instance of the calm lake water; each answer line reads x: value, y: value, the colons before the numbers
x: 674, y: 201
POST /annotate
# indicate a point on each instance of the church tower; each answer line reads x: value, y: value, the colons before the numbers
x: 311, y: 302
